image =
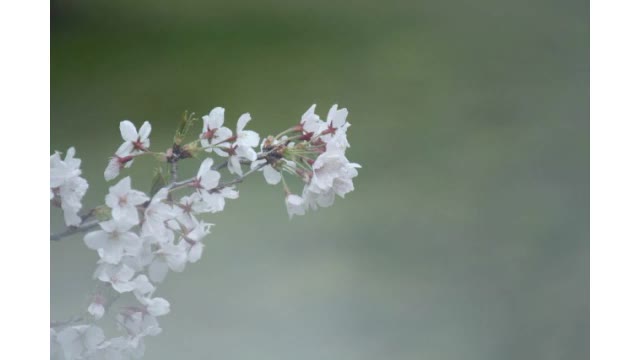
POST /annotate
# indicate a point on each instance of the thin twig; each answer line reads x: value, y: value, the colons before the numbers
x: 173, y: 169
x: 82, y: 228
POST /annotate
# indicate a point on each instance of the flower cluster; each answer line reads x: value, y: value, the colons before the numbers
x: 67, y: 187
x: 139, y: 237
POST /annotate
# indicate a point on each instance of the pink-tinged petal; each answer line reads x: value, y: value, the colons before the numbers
x: 242, y: 121
x: 271, y: 175
x: 128, y: 131
x: 113, y: 170
x: 126, y: 148
x: 145, y: 130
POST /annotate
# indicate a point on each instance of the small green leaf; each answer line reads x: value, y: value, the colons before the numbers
x: 159, y: 181
x: 183, y: 127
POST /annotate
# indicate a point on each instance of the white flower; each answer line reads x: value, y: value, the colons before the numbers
x: 206, y: 181
x: 207, y: 178
x: 246, y: 137
x: 333, y: 172
x: 80, y: 341
x: 192, y: 241
x: 156, y: 306
x: 186, y: 211
x: 242, y: 148
x: 213, y: 133
x: 118, y: 276
x: 123, y: 201
x: 313, y: 199
x: 240, y: 152
x: 113, y: 241
x: 142, y: 286
x: 216, y: 198
x: 138, y: 324
x: 168, y: 256
x: 65, y: 181
x: 119, y: 161
x: 334, y: 128
x: 141, y: 259
x: 61, y: 170
x: 295, y: 205
x: 96, y: 308
x: 71, y: 194
x: 134, y: 142
x: 311, y: 122
x: 157, y: 213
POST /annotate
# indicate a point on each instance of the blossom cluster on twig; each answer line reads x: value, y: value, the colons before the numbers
x: 141, y: 237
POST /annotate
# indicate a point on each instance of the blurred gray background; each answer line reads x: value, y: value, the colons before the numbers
x: 467, y: 234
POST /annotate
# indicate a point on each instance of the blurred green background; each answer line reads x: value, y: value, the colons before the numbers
x: 467, y: 234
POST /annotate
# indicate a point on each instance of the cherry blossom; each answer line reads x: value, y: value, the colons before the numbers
x: 66, y: 183
x: 141, y: 237
x: 332, y: 171
x: 242, y: 148
x: 311, y: 122
x: 157, y: 213
x: 96, y: 308
x: 191, y: 242
x: 120, y: 160
x: 118, y: 276
x: 123, y: 201
x: 295, y: 205
x: 156, y: 306
x: 135, y: 142
x: 80, y: 341
x: 168, y: 256
x: 213, y: 133
x: 114, y: 240
x: 246, y: 137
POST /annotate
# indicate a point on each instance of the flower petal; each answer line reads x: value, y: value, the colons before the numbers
x: 128, y: 131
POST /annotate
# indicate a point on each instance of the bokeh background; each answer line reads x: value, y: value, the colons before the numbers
x: 467, y: 234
